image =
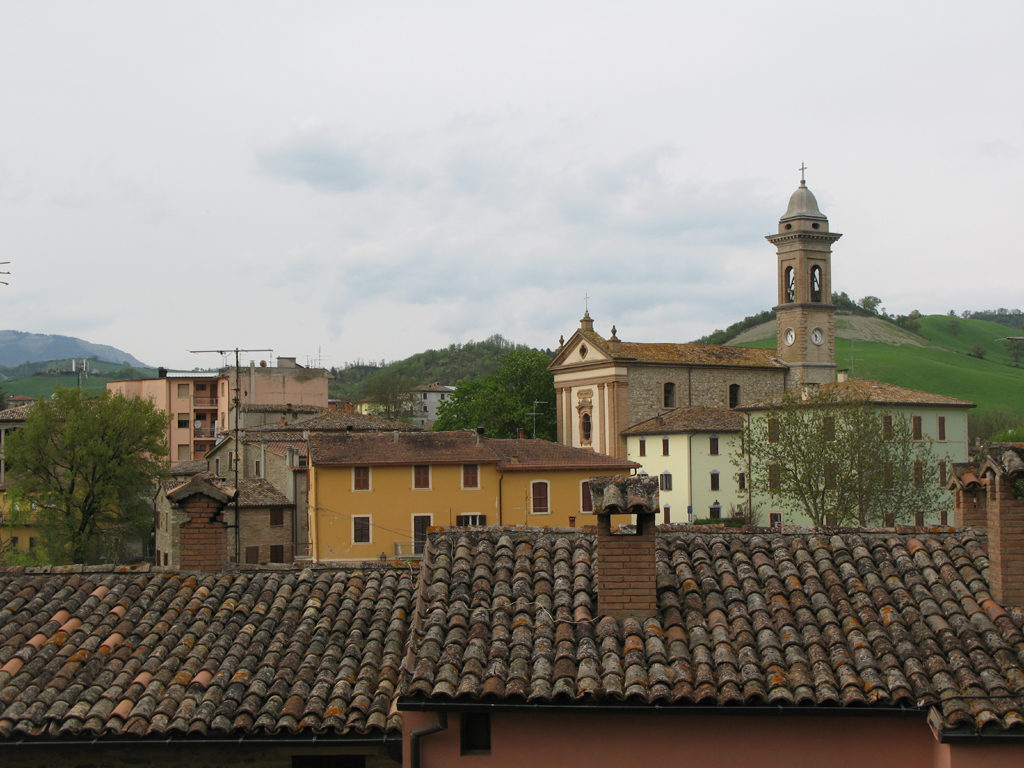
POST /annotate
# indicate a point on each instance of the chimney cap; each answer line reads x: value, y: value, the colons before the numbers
x: 621, y: 495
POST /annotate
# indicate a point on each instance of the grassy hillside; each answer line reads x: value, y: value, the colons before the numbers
x: 43, y: 378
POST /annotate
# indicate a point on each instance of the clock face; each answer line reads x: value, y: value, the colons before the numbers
x: 790, y: 336
x: 817, y: 336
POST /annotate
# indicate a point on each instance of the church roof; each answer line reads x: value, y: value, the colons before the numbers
x: 699, y: 354
x: 693, y: 418
x: 802, y: 205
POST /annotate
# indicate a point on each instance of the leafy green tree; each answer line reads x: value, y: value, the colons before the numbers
x: 392, y: 394
x: 841, y: 461
x: 87, y: 465
x: 519, y: 395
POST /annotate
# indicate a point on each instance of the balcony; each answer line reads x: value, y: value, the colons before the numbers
x: 204, y: 433
x: 406, y: 550
x: 204, y: 402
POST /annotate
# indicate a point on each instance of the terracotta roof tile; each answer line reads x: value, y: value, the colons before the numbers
x: 699, y: 354
x: 838, y: 619
x: 876, y: 392
x: 86, y: 652
x: 695, y: 418
x: 334, y: 421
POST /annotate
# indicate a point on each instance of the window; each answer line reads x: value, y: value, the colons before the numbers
x: 713, y: 446
x: 668, y: 513
x: 475, y: 732
x: 183, y: 390
x: 182, y: 421
x: 670, y: 395
x: 165, y: 558
x: 664, y: 446
x: 917, y: 427
x: 216, y: 467
x: 643, y: 447
x: 361, y: 529
x: 773, y: 430
x: 276, y: 517
x: 816, y: 283
x: 715, y: 511
x: 252, y: 554
x: 942, y: 427
x: 424, y: 395
x: 789, y: 283
x: 944, y: 517
x: 277, y: 553
x: 14, y: 542
x: 586, y: 501
x: 734, y: 395
x: 830, y: 471
x: 774, y: 477
x: 775, y: 519
x: 420, y: 523
x: 828, y: 428
x: 184, y: 454
x: 256, y: 464
x: 942, y: 474
x: 539, y: 495
x: 587, y: 427
x: 887, y: 427
x: 470, y: 520
x: 470, y: 476
x: 919, y: 518
x: 360, y: 478
x: 665, y: 481
x: 919, y: 474
x: 714, y: 480
x: 741, y: 479
x: 421, y: 476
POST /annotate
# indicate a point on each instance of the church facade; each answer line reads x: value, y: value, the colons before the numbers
x: 605, y: 385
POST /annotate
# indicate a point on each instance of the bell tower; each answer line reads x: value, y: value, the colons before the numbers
x: 805, y: 312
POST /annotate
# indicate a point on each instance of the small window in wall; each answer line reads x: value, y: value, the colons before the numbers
x: 421, y: 476
x: 714, y: 480
x: 664, y: 446
x: 539, y: 497
x: 943, y: 517
x: 831, y: 472
x: 216, y: 467
x: 665, y: 481
x: 942, y: 427
x: 734, y: 395
x: 470, y: 476
x: 668, y: 513
x: 828, y: 428
x: 715, y: 511
x: 183, y: 390
x: 670, y: 395
x: 773, y: 430
x: 475, y: 733
x: 790, y: 285
x: 361, y: 529
x: 775, y: 519
x: 741, y: 480
x: 919, y: 474
x: 942, y: 474
x: 420, y: 523
x: 257, y: 466
x: 919, y: 518
x: 774, y: 477
x: 276, y: 517
x: 713, y: 446
x: 424, y: 395
x: 643, y: 447
x: 471, y: 520
x: 183, y: 452
x: 277, y: 553
x: 252, y: 555
x: 360, y: 478
x: 165, y: 558
x: 586, y: 500
x: 816, y: 283
x: 918, y: 432
x: 587, y: 427
x: 182, y: 421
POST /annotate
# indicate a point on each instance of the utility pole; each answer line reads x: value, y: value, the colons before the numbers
x: 236, y: 401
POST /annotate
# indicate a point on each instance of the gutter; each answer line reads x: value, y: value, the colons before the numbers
x: 418, y: 735
x: 98, y: 741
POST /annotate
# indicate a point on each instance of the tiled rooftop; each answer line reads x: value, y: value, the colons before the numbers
x: 843, y: 619
x: 686, y: 354
x: 16, y: 413
x: 94, y: 653
x: 335, y: 421
x: 875, y: 392
x: 694, y: 418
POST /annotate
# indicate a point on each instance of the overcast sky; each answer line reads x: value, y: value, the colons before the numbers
x: 366, y: 180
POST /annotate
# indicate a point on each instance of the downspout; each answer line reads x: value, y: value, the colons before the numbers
x: 689, y: 478
x: 417, y: 735
x: 501, y: 494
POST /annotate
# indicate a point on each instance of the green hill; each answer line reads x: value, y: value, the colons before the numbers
x: 41, y: 379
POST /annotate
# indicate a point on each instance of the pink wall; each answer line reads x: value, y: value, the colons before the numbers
x: 787, y: 741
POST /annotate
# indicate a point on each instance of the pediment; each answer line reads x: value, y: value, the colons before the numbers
x: 581, y: 349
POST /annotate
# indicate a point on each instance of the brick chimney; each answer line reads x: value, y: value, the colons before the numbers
x: 626, y: 575
x: 1005, y: 526
x: 203, y: 542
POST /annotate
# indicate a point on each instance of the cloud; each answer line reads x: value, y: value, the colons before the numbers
x: 319, y: 161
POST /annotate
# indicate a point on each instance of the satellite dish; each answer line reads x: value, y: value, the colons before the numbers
x: 198, y: 424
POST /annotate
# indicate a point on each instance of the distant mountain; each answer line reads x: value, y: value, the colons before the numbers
x: 17, y: 347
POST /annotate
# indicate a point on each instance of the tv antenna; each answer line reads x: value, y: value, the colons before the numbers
x: 236, y: 401
x: 4, y: 282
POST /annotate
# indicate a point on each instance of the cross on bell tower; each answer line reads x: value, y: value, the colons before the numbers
x: 805, y: 313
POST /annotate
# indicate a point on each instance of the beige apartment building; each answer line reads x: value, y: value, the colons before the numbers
x: 200, y: 403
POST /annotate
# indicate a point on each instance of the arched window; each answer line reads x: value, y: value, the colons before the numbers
x: 816, y: 283
x: 734, y: 395
x: 670, y: 395
x: 790, y: 284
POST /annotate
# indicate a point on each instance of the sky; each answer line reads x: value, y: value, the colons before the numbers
x: 344, y: 181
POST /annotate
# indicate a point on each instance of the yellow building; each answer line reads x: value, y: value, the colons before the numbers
x: 376, y: 494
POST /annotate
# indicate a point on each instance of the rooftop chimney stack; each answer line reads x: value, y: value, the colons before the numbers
x: 1005, y: 526
x: 626, y: 573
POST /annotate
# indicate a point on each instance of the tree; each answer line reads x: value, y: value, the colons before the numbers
x: 870, y: 304
x: 841, y: 461
x: 978, y: 351
x: 505, y: 403
x: 85, y: 464
x: 392, y: 394
x: 1015, y: 347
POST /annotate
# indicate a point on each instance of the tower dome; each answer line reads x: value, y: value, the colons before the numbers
x: 802, y: 205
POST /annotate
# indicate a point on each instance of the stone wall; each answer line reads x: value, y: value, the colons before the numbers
x: 256, y: 531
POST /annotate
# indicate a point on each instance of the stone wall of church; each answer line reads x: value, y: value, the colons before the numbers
x: 696, y: 386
